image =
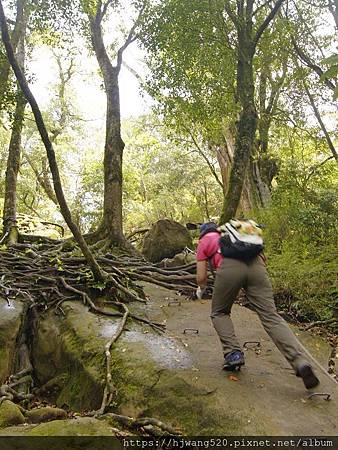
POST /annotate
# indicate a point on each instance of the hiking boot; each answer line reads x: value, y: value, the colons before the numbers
x: 233, y: 360
x: 306, y: 372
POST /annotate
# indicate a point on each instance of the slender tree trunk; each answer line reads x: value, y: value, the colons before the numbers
x: 13, y: 164
x: 10, y: 228
x: 333, y: 7
x: 43, y: 178
x: 113, y: 155
x: 97, y: 271
x: 5, y: 66
x: 111, y: 225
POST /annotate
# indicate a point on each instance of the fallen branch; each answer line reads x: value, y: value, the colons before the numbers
x: 320, y: 322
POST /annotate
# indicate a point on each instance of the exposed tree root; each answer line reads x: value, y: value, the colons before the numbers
x: 46, y: 273
x: 148, y: 424
x: 109, y: 389
x: 320, y: 323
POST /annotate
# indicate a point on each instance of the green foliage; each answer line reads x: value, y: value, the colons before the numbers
x: 301, y: 233
x: 332, y: 71
x: 192, y: 64
x: 161, y: 179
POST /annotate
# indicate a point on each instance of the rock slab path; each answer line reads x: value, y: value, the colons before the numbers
x: 266, y: 388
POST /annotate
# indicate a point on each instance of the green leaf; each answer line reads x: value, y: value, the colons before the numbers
x: 335, y: 95
x: 333, y: 59
x: 99, y: 285
x: 330, y: 73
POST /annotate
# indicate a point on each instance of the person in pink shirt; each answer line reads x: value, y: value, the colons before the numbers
x: 233, y: 273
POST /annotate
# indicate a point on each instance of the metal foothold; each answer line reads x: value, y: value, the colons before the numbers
x: 325, y: 395
x: 174, y: 302
x: 193, y: 330
x: 252, y: 344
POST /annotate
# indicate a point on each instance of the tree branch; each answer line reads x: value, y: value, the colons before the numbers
x: 321, y: 123
x: 318, y: 166
x: 267, y: 21
x: 130, y: 38
x: 319, y: 71
x: 261, y: 7
x: 231, y: 14
x: 200, y: 151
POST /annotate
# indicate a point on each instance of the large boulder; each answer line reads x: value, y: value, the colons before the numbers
x: 10, y: 414
x: 165, y: 239
x: 12, y: 317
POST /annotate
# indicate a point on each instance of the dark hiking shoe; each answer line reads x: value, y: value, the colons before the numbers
x: 306, y: 372
x: 233, y: 360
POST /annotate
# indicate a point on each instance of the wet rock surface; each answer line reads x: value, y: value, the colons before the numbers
x: 154, y: 374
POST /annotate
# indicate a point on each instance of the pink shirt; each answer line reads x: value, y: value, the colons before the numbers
x: 208, y: 246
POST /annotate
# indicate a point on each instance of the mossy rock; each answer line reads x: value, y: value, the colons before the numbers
x: 45, y: 414
x: 165, y: 239
x: 149, y: 377
x: 172, y: 396
x: 10, y: 414
x: 94, y: 433
x: 70, y: 346
x: 11, y: 321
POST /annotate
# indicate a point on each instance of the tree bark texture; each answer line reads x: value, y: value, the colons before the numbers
x: 13, y: 164
x: 5, y: 66
x: 14, y: 151
x: 111, y: 226
x: 247, y: 42
x: 246, y: 126
x: 97, y: 272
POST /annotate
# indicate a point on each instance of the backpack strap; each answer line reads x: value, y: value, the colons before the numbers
x: 211, y: 267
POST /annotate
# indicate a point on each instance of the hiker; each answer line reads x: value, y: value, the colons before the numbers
x: 237, y: 259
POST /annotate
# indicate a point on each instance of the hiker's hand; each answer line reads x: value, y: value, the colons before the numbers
x: 199, y: 292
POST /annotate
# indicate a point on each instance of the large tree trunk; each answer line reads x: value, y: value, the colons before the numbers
x: 111, y: 225
x: 247, y: 42
x: 246, y: 126
x: 225, y: 157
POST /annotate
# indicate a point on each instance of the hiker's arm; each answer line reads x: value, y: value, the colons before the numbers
x: 202, y: 274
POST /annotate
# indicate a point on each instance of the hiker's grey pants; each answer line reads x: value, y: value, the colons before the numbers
x: 233, y: 275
